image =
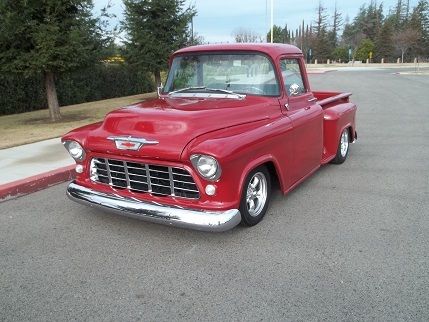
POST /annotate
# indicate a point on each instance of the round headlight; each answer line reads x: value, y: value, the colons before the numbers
x: 75, y: 149
x: 207, y: 166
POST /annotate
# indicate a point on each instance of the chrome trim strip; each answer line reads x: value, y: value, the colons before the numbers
x: 170, y: 176
x: 132, y: 139
x: 149, y: 184
x: 127, y: 176
x: 214, y: 221
x: 109, y: 175
x: 184, y: 189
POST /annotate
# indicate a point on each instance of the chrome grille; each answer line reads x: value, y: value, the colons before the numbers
x: 149, y: 178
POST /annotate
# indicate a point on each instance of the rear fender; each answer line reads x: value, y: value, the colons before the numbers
x: 336, y: 119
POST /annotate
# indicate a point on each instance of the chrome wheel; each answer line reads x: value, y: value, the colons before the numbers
x: 344, y: 143
x: 257, y: 193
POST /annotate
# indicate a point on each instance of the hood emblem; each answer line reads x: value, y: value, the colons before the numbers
x: 130, y: 143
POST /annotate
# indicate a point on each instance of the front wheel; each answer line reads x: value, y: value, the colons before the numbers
x: 255, y: 197
x: 343, y: 148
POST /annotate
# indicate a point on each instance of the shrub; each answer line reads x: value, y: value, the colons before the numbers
x: 20, y: 94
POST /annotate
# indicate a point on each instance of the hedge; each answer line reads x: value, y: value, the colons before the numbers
x: 20, y: 94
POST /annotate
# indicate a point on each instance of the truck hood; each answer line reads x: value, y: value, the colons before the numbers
x: 173, y: 122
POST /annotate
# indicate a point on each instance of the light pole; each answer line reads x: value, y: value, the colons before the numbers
x: 192, y: 23
x: 192, y: 30
x: 272, y: 15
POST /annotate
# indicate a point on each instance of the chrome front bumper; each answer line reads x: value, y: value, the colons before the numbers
x: 215, y: 221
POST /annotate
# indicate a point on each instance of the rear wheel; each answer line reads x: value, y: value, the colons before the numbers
x: 343, y: 148
x: 255, y: 197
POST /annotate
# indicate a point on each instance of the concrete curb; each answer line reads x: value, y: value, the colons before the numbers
x: 321, y: 71
x: 36, y: 183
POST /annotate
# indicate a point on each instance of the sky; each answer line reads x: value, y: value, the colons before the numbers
x: 216, y: 20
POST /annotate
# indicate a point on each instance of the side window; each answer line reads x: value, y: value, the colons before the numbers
x: 292, y: 78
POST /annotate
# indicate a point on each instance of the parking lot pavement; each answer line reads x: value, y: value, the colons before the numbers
x: 350, y: 243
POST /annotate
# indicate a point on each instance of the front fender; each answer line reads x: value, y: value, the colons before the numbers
x: 241, y: 149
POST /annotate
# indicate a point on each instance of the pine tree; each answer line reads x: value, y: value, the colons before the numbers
x: 365, y: 47
x: 337, y: 22
x: 419, y: 21
x: 407, y: 10
x: 400, y: 14
x: 285, y: 35
x: 368, y: 20
x: 155, y: 29
x: 48, y: 37
x: 384, y: 46
x: 277, y: 34
x: 320, y: 42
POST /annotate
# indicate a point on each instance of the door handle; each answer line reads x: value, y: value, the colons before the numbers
x: 312, y: 99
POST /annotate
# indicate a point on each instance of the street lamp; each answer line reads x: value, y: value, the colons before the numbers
x: 272, y: 14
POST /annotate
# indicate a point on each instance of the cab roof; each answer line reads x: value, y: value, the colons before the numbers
x: 273, y: 50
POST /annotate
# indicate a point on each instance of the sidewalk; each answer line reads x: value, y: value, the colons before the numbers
x: 31, y: 167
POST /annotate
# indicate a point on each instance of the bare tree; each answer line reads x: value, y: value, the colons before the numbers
x: 405, y: 39
x: 196, y: 39
x: 336, y: 25
x: 246, y: 35
x: 320, y: 29
x: 321, y: 20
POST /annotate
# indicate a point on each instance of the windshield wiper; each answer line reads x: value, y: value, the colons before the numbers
x: 187, y: 89
x: 240, y: 96
x: 225, y: 91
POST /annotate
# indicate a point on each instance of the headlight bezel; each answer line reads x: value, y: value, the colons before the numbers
x: 72, y: 145
x: 197, y: 159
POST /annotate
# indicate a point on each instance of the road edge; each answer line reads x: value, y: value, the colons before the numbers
x: 35, y: 183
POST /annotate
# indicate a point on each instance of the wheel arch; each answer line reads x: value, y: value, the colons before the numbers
x: 272, y: 166
x: 349, y: 128
x: 352, y: 133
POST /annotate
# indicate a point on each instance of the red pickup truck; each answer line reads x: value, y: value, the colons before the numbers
x: 230, y: 120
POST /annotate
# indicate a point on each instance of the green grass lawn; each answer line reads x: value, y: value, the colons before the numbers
x: 36, y: 126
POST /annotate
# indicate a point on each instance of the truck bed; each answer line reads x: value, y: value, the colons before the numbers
x: 328, y: 99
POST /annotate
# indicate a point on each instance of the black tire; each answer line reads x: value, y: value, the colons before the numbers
x: 342, y: 151
x: 249, y: 217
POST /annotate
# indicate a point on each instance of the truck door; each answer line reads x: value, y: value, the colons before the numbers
x: 306, y: 116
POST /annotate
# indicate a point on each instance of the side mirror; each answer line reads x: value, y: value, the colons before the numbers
x: 294, y: 89
x: 159, y: 89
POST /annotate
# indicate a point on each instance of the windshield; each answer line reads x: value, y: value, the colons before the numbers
x: 248, y: 73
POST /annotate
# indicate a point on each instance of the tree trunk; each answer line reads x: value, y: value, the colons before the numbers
x: 402, y: 56
x: 51, y: 93
x: 157, y: 75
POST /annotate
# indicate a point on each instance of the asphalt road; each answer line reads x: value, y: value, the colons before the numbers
x: 351, y: 243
